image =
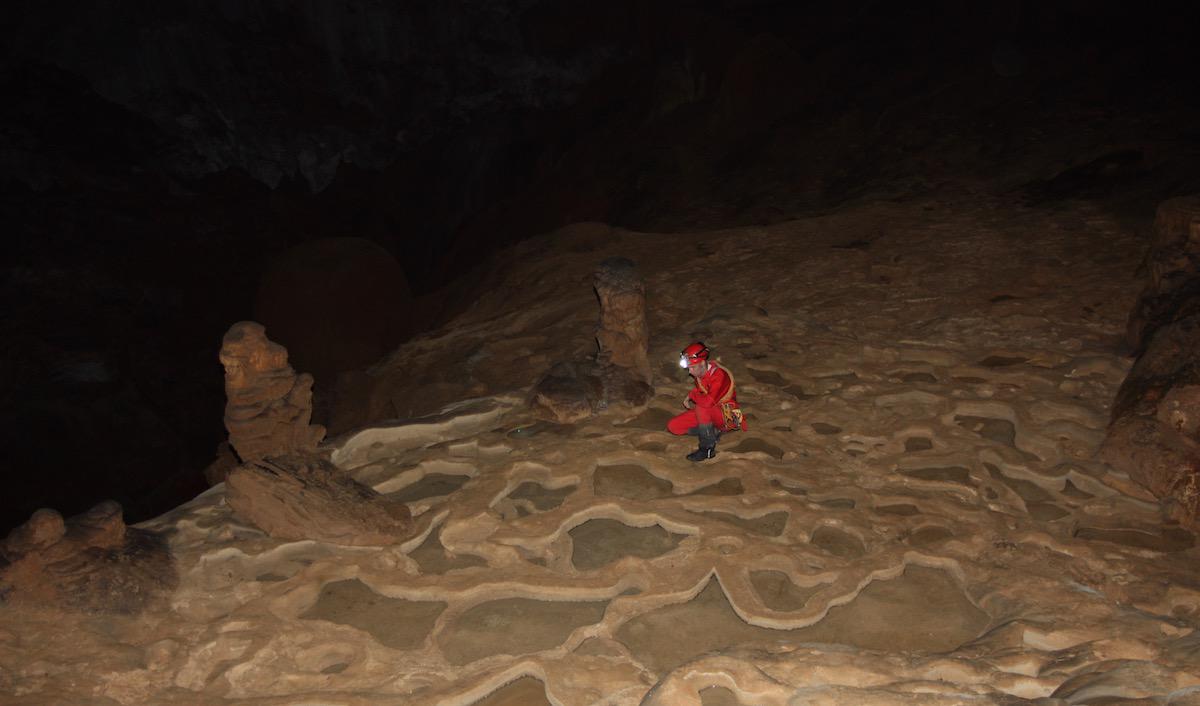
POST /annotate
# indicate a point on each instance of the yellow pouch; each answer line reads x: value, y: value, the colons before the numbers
x: 734, y: 419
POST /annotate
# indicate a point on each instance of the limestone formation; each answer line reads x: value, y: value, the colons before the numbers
x: 268, y: 405
x: 92, y: 563
x: 305, y: 497
x: 283, y: 486
x: 918, y: 517
x: 571, y: 392
x: 1172, y: 291
x: 565, y: 394
x: 1154, y: 436
x: 620, y: 373
x: 622, y: 333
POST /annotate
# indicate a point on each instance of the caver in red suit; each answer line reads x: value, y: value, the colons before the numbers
x: 706, y: 397
x: 712, y: 402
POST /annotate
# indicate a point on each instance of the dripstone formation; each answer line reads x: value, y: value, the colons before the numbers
x: 268, y: 405
x: 622, y: 334
x: 284, y: 486
x: 620, y: 373
x: 92, y: 563
x: 1154, y: 435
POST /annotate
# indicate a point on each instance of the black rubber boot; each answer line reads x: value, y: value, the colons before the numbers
x: 708, y: 443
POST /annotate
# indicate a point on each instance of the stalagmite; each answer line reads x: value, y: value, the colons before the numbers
x: 269, y: 406
x: 622, y: 333
x: 284, y: 486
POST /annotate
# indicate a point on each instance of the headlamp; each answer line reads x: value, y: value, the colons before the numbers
x: 683, y: 361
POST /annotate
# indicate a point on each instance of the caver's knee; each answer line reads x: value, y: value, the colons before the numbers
x: 680, y: 424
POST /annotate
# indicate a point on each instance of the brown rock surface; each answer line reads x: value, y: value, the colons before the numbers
x: 620, y: 373
x: 1154, y: 436
x: 268, y: 406
x: 920, y: 516
x: 566, y: 394
x: 1173, y: 289
x: 91, y: 563
x: 304, y: 497
x: 622, y: 334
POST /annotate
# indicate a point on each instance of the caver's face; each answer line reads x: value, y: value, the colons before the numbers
x: 696, y: 369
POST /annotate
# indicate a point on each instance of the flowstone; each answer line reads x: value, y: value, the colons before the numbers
x: 597, y: 543
x: 514, y: 626
x: 394, y: 622
x: 919, y: 516
x: 921, y: 611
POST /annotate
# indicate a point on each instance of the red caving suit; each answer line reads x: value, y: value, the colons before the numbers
x: 711, y: 389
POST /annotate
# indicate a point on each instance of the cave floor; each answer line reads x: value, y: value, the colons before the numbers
x: 915, y: 514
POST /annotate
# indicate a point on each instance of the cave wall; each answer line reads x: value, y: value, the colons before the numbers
x: 158, y: 160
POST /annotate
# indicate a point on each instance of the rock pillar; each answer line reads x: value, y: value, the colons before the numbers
x: 622, y: 334
x: 268, y: 406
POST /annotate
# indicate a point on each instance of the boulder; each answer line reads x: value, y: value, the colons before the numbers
x: 268, y: 406
x: 305, y: 497
x: 92, y: 563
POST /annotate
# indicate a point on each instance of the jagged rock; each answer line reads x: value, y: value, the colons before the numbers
x: 622, y: 333
x: 268, y: 406
x: 91, y: 563
x: 1154, y: 433
x: 305, y: 497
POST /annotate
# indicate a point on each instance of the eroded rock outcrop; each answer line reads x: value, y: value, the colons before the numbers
x: 268, y: 405
x: 305, y: 497
x: 1154, y: 435
x: 92, y: 562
